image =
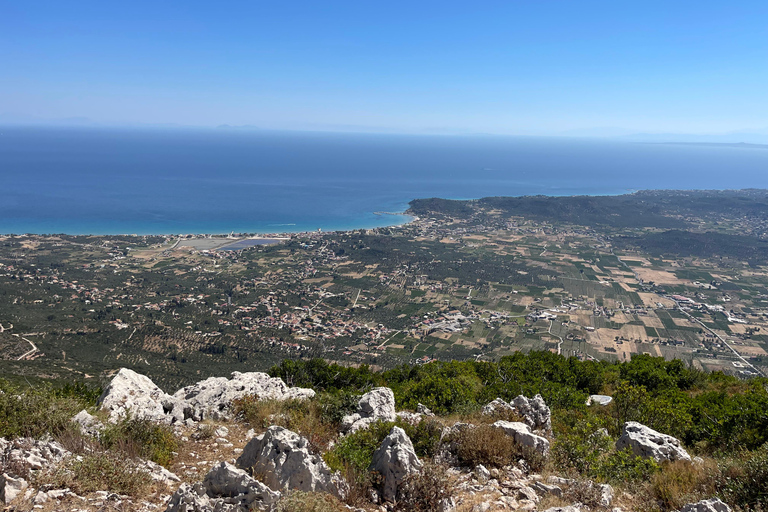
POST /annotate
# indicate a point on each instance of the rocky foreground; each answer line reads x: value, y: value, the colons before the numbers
x: 224, y: 467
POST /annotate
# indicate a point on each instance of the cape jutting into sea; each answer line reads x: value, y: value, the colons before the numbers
x: 153, y: 181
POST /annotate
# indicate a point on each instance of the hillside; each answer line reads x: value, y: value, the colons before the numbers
x: 464, y: 436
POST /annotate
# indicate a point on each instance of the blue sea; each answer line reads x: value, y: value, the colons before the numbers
x: 160, y: 181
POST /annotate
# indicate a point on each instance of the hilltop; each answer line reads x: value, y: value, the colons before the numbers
x: 533, y: 432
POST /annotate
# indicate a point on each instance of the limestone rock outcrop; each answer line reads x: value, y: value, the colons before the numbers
x: 377, y: 404
x: 713, y: 505
x: 534, y: 411
x: 523, y: 435
x: 394, y: 460
x: 211, y: 397
x: 284, y: 460
x: 648, y: 443
x: 224, y: 489
x: 130, y: 393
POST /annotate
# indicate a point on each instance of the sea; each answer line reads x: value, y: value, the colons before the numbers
x: 173, y: 181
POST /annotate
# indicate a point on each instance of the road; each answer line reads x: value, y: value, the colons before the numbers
x: 30, y: 352
x: 551, y: 323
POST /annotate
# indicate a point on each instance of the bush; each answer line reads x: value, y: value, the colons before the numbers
x: 300, y: 501
x: 744, y: 480
x: 356, y: 450
x: 98, y: 471
x: 486, y: 445
x: 581, y: 448
x: 424, y: 491
x: 35, y: 412
x: 625, y: 466
x: 141, y: 438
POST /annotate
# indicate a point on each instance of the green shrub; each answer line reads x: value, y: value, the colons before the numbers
x: 745, y: 480
x: 356, y: 449
x: 625, y: 466
x: 581, y: 448
x: 36, y: 412
x: 141, y: 438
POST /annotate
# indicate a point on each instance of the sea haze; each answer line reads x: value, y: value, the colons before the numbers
x: 104, y: 181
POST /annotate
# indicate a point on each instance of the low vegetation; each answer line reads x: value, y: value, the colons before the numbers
x: 720, y: 419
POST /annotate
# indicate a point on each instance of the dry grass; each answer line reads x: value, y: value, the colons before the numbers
x: 486, y: 445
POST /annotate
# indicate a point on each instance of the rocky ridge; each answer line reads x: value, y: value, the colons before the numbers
x: 253, y: 472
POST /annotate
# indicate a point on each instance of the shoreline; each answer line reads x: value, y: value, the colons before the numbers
x: 407, y: 218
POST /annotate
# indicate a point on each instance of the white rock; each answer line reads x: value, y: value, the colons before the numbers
x: 535, y: 411
x: 88, y: 423
x: 606, y: 495
x: 212, y: 397
x: 224, y: 489
x: 11, y: 487
x: 646, y: 442
x: 713, y: 505
x: 482, y: 474
x: 394, y: 460
x: 27, y: 454
x: 424, y: 410
x: 523, y: 435
x: 377, y: 404
x: 599, y: 400
x: 497, y: 406
x: 283, y: 460
x: 413, y: 418
x: 135, y: 394
x: 158, y: 473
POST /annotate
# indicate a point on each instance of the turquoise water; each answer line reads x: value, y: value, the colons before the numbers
x: 103, y: 181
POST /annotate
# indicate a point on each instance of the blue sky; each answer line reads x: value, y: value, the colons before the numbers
x: 521, y: 67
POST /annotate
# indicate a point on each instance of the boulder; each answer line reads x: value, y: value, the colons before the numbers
x: 646, y: 442
x: 283, y: 460
x: 88, y: 424
x: 224, y: 489
x: 11, y: 487
x: 713, y: 505
x: 212, y: 397
x: 534, y: 411
x: 394, y: 460
x: 135, y: 394
x: 523, y: 435
x: 130, y: 393
x: 377, y: 404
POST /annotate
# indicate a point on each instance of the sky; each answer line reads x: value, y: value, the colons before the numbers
x: 509, y: 67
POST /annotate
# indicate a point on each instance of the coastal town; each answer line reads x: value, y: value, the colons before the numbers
x: 435, y: 288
